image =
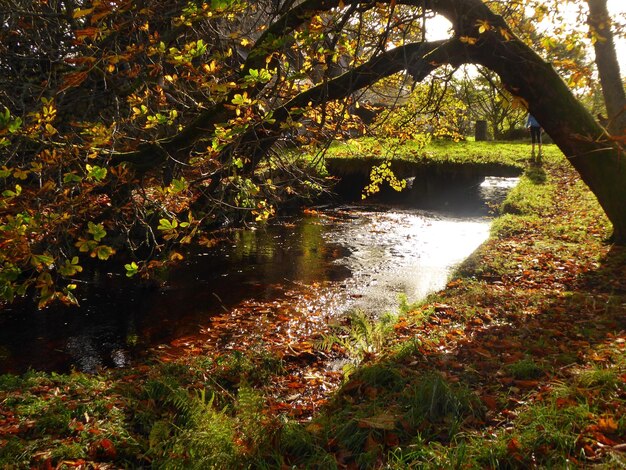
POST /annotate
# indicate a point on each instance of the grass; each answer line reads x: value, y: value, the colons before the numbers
x: 171, y: 415
x: 525, y: 369
x: 514, y: 154
x: 519, y: 363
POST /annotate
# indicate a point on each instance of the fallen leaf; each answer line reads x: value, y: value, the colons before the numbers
x: 382, y: 421
x: 513, y: 446
x: 607, y: 425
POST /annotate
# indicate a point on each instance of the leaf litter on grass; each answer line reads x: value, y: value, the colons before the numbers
x: 519, y: 362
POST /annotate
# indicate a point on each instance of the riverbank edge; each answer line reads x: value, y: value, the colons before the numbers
x: 518, y: 362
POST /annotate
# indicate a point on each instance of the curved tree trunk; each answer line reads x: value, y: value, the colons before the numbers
x: 598, y: 158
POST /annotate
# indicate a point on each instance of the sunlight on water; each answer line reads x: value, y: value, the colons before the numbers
x: 404, y: 252
x: 274, y: 284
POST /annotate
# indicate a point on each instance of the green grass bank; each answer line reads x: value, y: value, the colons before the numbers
x: 439, y: 152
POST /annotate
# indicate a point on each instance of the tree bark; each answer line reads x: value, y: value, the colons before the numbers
x: 608, y: 67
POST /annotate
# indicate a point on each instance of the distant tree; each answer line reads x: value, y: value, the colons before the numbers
x: 485, y: 98
x: 608, y: 67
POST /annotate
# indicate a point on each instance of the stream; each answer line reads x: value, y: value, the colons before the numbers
x: 294, y: 272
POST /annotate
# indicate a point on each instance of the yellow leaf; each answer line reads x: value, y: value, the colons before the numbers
x: 176, y: 256
x: 607, y: 425
x: 50, y: 130
x: 483, y: 25
x: 469, y: 40
x: 211, y: 67
x: 519, y: 103
x: 81, y: 13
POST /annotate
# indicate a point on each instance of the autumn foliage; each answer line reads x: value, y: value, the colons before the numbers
x: 129, y: 129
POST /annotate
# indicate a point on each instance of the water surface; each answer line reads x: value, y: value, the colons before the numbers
x: 300, y: 269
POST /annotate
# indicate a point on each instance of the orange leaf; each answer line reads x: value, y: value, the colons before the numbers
x: 562, y: 402
x: 526, y: 383
x: 483, y: 352
x: 513, y: 446
x: 469, y: 40
x: 175, y: 256
x: 86, y: 33
x: 490, y: 402
x: 371, y: 444
x: 98, y: 16
x: 72, y: 80
x: 607, y: 425
x: 392, y: 439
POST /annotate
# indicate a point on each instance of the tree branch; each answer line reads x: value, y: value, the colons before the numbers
x: 419, y: 58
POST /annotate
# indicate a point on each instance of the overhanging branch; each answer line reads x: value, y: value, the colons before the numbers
x: 420, y: 58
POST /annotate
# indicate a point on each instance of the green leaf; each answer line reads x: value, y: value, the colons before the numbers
x: 9, y: 272
x: 131, y: 269
x: 85, y: 246
x: 165, y: 225
x: 70, y: 297
x: 69, y: 178
x: 9, y: 193
x: 241, y: 100
x: 177, y: 185
x: 70, y: 268
x: 221, y: 4
x: 96, y: 230
x: 15, y: 125
x: 103, y: 252
x: 5, y: 117
x: 39, y: 261
x: 95, y: 173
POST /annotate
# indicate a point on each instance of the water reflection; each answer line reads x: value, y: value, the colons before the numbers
x: 301, y: 269
x: 407, y: 252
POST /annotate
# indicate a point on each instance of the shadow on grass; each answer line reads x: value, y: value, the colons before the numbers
x: 610, y: 277
x: 536, y: 174
x: 469, y: 367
